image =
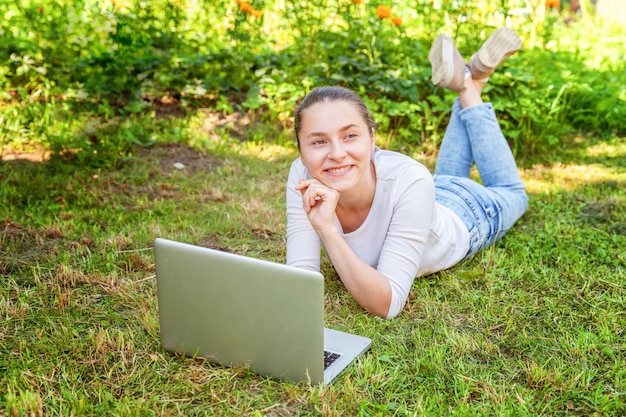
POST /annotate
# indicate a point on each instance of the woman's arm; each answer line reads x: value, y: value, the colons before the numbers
x: 406, y: 221
x: 407, y: 235
x: 303, y: 244
x: 370, y: 288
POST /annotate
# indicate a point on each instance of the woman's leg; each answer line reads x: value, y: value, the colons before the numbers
x: 473, y: 136
x: 490, y: 150
x: 455, y: 152
x: 450, y: 71
x: 489, y: 209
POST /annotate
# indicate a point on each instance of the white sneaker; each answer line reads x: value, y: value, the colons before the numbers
x: 502, y: 43
x: 447, y: 63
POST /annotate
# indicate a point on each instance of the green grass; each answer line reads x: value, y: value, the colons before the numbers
x: 533, y: 326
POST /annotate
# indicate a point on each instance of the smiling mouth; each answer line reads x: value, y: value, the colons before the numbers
x: 339, y: 170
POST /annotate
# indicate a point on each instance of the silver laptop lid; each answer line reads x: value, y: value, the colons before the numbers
x: 236, y: 310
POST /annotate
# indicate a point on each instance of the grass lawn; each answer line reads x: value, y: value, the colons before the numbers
x: 533, y: 326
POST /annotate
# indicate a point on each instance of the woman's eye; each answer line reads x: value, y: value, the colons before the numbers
x: 319, y: 142
x: 351, y: 136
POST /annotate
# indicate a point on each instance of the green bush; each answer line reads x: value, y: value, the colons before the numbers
x: 65, y: 62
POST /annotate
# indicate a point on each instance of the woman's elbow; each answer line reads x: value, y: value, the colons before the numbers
x: 382, y: 310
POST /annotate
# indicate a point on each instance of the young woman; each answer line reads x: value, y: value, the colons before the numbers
x: 381, y: 216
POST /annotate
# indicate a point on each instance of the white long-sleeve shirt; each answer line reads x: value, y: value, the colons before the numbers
x: 405, y: 235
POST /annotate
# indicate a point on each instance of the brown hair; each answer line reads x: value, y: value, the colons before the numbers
x: 328, y: 95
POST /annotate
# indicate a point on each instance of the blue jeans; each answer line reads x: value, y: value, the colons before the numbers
x: 489, y: 209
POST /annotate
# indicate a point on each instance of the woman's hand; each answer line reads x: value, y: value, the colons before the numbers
x: 319, y: 203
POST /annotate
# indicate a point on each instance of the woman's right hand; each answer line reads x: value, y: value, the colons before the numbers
x: 319, y: 203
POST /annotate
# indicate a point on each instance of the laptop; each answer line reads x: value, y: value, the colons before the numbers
x: 239, y: 311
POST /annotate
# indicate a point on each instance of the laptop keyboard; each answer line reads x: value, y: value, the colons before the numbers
x: 329, y: 358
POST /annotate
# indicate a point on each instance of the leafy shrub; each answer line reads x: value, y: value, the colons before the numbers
x: 91, y: 60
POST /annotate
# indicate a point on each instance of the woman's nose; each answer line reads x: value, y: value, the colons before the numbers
x: 337, y: 151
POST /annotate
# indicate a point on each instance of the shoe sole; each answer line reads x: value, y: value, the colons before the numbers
x: 502, y: 43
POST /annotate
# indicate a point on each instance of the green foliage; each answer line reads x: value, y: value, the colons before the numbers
x: 94, y: 59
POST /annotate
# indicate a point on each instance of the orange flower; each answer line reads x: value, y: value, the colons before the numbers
x: 553, y: 3
x: 246, y: 7
x: 383, y: 12
x: 396, y: 20
x: 256, y: 13
x: 357, y: 1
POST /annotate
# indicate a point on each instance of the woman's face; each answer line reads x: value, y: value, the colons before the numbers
x: 336, y: 145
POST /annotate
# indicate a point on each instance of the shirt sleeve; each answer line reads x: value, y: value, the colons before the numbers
x: 303, y: 243
x: 407, y: 235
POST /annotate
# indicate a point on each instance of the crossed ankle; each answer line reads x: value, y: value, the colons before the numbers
x: 468, y: 74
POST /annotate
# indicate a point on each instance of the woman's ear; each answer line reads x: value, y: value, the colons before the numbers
x: 373, y: 135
